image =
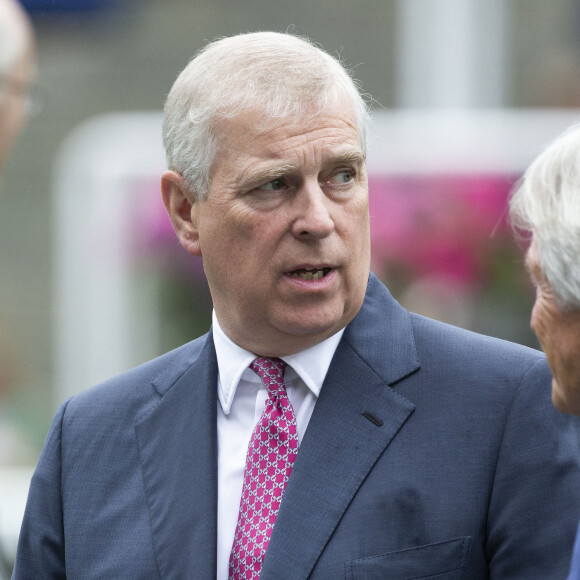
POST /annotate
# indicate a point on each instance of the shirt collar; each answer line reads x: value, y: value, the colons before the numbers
x: 311, y: 365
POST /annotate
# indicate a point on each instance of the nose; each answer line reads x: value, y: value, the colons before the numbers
x: 313, y: 219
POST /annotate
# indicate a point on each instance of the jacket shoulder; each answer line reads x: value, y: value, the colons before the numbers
x: 137, y: 389
x: 438, y: 339
x: 478, y: 369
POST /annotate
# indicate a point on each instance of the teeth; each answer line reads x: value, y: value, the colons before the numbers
x: 308, y: 274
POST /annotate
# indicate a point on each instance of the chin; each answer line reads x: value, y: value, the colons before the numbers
x: 305, y: 318
x: 304, y: 328
x: 312, y: 330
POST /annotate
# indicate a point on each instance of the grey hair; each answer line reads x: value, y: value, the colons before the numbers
x: 280, y: 75
x: 15, y: 33
x: 546, y: 203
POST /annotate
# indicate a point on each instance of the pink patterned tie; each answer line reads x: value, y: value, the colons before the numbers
x: 271, y: 453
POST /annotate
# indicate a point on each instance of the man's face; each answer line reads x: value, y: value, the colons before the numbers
x: 12, y: 102
x: 284, y: 231
x: 558, y: 331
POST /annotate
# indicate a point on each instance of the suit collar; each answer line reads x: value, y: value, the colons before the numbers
x: 311, y: 365
x: 382, y: 335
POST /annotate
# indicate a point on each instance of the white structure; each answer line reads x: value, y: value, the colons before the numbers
x: 105, y: 319
x: 452, y: 53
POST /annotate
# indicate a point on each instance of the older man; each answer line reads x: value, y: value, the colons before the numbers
x: 547, y: 205
x: 16, y: 65
x: 16, y: 68
x: 318, y: 430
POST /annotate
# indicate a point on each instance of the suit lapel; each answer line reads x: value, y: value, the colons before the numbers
x: 178, y: 452
x: 356, y: 417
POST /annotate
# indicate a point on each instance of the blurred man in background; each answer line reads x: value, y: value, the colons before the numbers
x: 547, y: 205
x: 16, y: 70
x: 17, y: 63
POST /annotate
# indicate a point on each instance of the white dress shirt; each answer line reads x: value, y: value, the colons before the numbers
x: 242, y: 399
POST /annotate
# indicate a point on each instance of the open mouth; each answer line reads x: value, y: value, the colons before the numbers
x: 309, y: 274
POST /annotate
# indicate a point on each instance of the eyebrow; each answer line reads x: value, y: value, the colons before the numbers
x: 351, y: 157
x: 267, y: 174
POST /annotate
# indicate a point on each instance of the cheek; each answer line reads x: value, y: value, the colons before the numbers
x: 355, y: 219
x: 222, y: 229
x: 540, y: 328
x: 548, y: 332
x: 538, y: 316
x: 362, y: 232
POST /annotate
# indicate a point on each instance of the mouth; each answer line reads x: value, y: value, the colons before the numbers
x: 309, y: 273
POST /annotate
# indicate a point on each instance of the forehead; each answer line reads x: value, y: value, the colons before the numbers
x: 251, y: 135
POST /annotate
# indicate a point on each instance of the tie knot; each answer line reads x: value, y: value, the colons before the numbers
x: 271, y: 371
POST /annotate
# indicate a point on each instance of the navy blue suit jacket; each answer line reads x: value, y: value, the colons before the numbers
x: 575, y: 564
x: 432, y: 452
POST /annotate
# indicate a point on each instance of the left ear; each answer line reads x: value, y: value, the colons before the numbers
x: 181, y: 205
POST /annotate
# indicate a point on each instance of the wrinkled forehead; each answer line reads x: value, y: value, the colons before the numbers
x: 251, y: 144
x: 257, y: 124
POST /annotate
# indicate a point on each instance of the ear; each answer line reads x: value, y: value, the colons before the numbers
x: 181, y: 205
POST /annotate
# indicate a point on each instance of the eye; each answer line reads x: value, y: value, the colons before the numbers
x: 274, y: 185
x: 344, y: 176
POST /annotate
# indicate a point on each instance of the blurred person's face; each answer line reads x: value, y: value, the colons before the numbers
x: 13, y: 96
x: 558, y: 331
x: 284, y: 231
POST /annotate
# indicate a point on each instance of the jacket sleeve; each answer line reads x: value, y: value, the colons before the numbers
x: 535, y: 503
x: 41, y: 546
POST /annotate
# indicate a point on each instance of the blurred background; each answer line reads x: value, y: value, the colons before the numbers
x: 465, y: 94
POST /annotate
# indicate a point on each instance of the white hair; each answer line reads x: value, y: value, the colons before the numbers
x: 547, y: 204
x: 280, y: 75
x: 15, y: 35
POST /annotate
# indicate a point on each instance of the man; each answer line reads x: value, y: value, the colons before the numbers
x: 16, y: 65
x: 16, y: 68
x: 547, y: 205
x: 362, y: 442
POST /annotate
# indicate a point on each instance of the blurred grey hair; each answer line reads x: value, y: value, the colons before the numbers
x: 279, y: 75
x: 547, y: 204
x: 14, y: 35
